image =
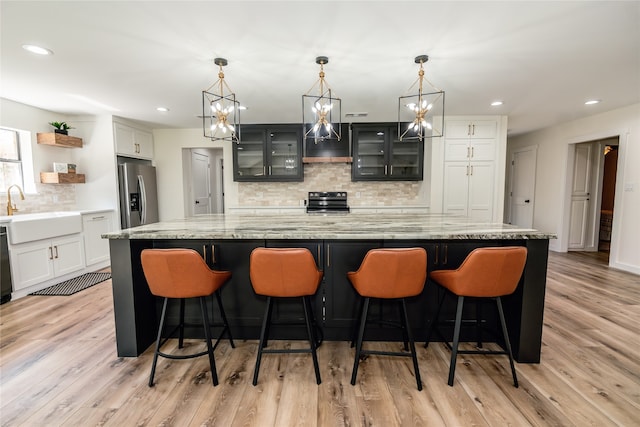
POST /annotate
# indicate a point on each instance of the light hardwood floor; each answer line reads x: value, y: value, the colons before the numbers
x: 58, y: 366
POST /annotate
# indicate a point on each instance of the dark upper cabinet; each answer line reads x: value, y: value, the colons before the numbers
x: 268, y: 153
x: 378, y: 155
x: 329, y: 147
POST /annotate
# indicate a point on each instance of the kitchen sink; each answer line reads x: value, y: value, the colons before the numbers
x: 44, y: 225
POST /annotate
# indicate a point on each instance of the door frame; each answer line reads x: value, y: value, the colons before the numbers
x: 563, y: 234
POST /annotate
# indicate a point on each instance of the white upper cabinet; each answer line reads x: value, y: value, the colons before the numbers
x: 473, y: 129
x: 133, y: 142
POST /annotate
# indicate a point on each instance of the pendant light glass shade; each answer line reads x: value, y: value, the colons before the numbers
x: 321, y: 109
x: 220, y: 109
x: 421, y: 114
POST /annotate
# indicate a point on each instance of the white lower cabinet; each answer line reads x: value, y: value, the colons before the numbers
x: 36, y: 262
x: 96, y: 249
x: 469, y: 189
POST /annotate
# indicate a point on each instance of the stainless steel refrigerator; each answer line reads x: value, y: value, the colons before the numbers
x: 138, y: 194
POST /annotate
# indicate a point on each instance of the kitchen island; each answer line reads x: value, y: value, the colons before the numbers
x: 338, y: 243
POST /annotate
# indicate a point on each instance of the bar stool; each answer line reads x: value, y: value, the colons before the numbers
x: 285, y: 273
x: 389, y: 274
x: 485, y: 273
x: 181, y: 274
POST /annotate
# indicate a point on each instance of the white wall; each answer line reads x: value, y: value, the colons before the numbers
x: 555, y: 144
x: 168, y: 145
x: 96, y: 159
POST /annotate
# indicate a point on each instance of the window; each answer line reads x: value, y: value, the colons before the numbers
x: 10, y: 159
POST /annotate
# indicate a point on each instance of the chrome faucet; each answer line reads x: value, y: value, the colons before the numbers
x: 12, y: 208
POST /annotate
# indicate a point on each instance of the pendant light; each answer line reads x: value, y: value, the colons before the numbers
x: 321, y: 109
x: 220, y: 109
x: 421, y: 114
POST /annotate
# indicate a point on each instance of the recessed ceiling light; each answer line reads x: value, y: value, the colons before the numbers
x: 496, y: 103
x: 592, y: 102
x: 37, y: 49
x: 162, y: 109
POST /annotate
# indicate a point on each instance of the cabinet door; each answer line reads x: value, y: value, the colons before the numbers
x: 482, y: 149
x: 342, y: 301
x: 481, y: 190
x: 125, y: 139
x: 96, y: 249
x: 31, y: 263
x: 284, y: 157
x: 249, y: 161
x: 407, y: 160
x: 67, y: 255
x: 369, y: 157
x: 143, y: 144
x: 483, y: 129
x: 457, y: 150
x: 456, y: 187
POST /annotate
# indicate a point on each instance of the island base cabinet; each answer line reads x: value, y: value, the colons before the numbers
x: 336, y: 303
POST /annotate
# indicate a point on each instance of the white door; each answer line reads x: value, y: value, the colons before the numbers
x: 580, y: 195
x: 523, y: 180
x: 200, y: 183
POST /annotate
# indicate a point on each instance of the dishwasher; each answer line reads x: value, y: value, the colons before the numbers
x: 5, y: 269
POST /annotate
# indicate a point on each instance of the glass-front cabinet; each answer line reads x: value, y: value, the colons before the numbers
x: 268, y: 153
x: 378, y: 155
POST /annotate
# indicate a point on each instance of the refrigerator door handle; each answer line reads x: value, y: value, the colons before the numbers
x: 143, y: 200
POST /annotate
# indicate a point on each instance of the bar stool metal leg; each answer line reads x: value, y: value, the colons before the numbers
x: 157, y: 350
x: 506, y: 341
x: 207, y: 336
x: 262, y: 343
x: 363, y: 321
x: 456, y: 340
x: 181, y: 325
x: 224, y: 321
x: 412, y: 346
x: 308, y: 316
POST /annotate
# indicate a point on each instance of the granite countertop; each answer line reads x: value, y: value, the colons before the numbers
x: 328, y: 226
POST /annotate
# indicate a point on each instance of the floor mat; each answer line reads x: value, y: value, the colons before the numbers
x: 71, y: 286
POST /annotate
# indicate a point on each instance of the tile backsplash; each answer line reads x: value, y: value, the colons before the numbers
x: 330, y: 177
x: 49, y: 198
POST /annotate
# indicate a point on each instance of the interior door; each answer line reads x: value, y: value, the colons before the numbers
x: 523, y: 180
x: 580, y: 196
x: 201, y: 188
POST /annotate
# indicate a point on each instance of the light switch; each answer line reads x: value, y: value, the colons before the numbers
x: 629, y: 186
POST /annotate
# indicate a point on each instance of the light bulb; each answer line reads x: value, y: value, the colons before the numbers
x: 231, y: 128
x: 318, y: 106
x: 218, y: 107
x: 315, y: 127
x: 424, y: 103
x: 429, y: 107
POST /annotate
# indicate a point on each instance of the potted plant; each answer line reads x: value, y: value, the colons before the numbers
x: 61, y: 127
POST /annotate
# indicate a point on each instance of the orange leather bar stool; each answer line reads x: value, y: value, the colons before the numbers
x: 285, y: 273
x: 389, y: 274
x: 180, y: 274
x: 485, y: 273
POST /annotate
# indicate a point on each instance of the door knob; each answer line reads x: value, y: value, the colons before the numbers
x: 526, y: 201
x: 197, y: 202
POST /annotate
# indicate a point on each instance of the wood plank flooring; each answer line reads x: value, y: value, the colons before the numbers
x: 58, y: 367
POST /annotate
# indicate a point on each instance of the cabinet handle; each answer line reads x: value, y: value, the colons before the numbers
x: 471, y: 152
x: 204, y: 253
x: 264, y: 170
x: 435, y: 262
x: 318, y: 252
x: 95, y: 218
x: 213, y: 253
x: 471, y: 169
x: 328, y: 255
x: 50, y: 252
x: 468, y: 152
x: 473, y: 129
x: 467, y: 170
x: 269, y: 170
x: 56, y: 248
x: 444, y: 256
x: 391, y: 170
x: 469, y: 130
x: 385, y: 169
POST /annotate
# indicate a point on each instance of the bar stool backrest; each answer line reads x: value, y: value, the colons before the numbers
x: 180, y: 273
x: 284, y: 272
x: 391, y: 273
x: 486, y: 272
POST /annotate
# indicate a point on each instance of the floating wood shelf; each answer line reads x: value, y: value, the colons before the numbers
x: 327, y: 159
x: 59, y: 140
x: 61, y: 178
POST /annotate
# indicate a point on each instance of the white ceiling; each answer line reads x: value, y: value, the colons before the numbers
x: 543, y: 59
